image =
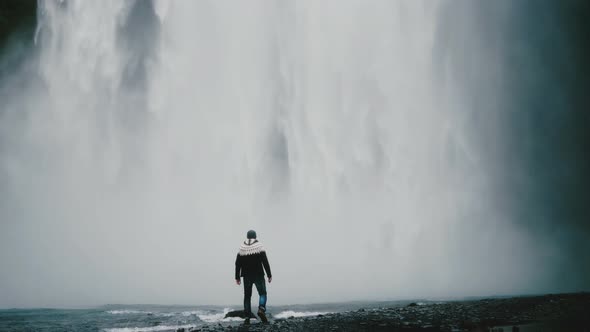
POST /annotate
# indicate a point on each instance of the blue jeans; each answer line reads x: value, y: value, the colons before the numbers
x: 260, y: 287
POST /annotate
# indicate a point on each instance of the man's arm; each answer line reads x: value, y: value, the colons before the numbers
x: 266, y: 265
x: 238, y: 268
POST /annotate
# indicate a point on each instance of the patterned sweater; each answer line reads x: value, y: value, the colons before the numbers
x: 251, y: 260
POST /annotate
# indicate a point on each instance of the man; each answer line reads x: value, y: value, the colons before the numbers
x: 249, y: 264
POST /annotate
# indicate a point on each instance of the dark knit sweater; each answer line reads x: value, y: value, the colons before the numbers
x: 251, y: 260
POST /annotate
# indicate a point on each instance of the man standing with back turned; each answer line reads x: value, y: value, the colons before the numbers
x: 249, y: 263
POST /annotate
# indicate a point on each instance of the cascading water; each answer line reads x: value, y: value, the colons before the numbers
x: 153, y: 135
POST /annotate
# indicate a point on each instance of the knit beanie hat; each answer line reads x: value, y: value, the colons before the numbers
x: 251, y: 234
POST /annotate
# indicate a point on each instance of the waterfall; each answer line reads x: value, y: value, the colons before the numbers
x: 153, y: 134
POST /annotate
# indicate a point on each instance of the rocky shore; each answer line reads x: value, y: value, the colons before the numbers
x: 562, y: 312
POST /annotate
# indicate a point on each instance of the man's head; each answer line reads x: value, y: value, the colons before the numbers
x: 251, y: 234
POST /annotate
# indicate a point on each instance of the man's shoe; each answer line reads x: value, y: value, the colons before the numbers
x: 262, y: 316
x: 247, y: 321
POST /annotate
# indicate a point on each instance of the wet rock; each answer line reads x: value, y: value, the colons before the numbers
x: 463, y: 316
x: 239, y: 314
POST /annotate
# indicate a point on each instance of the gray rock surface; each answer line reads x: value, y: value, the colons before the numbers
x: 561, y: 312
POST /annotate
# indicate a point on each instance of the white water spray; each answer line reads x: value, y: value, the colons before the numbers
x: 159, y: 133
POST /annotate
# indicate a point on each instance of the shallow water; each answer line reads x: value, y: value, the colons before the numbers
x: 120, y: 318
x: 111, y: 318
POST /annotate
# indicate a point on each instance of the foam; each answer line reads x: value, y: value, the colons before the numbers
x: 159, y: 314
x: 148, y: 328
x: 205, y: 316
x: 127, y: 312
x: 217, y: 317
x: 291, y: 313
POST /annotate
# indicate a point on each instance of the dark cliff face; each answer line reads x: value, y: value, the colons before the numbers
x: 18, y: 19
x: 524, y: 67
x: 16, y: 16
x: 546, y: 84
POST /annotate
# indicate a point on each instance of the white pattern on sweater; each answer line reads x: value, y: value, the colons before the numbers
x: 251, y: 247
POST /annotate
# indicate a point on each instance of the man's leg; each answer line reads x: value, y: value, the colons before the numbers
x: 261, y: 288
x: 247, y: 296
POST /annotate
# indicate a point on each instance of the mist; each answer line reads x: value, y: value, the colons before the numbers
x: 381, y: 150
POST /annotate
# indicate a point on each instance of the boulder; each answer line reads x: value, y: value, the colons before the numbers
x: 239, y: 313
